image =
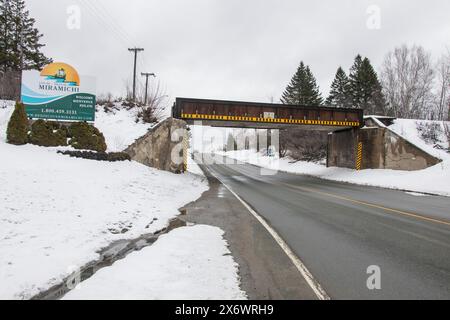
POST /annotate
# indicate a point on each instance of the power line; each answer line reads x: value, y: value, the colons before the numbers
x: 107, y: 21
x: 104, y: 10
x: 100, y: 18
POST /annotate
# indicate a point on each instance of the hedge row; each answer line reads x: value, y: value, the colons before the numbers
x: 48, y: 134
x: 99, y: 156
x: 79, y: 135
x: 86, y: 137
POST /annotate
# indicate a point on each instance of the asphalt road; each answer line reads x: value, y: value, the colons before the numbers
x: 338, y: 230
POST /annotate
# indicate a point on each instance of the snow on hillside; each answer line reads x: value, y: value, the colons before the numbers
x: 56, y: 212
x: 188, y: 263
x: 407, y: 128
x: 6, y: 104
x: 119, y: 127
x: 434, y: 180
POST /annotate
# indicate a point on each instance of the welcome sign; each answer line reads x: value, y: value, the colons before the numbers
x: 59, y: 93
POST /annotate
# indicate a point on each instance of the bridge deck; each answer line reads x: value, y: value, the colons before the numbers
x: 264, y: 115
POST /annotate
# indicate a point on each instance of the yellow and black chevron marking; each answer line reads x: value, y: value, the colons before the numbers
x: 359, y: 155
x: 271, y: 120
x: 185, y: 150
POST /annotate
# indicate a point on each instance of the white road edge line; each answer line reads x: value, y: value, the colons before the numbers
x: 315, y: 286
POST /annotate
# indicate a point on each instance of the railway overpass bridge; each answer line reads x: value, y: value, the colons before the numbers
x: 353, y: 143
x: 236, y: 114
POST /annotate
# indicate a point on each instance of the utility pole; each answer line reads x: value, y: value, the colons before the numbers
x: 135, y: 50
x: 147, y: 75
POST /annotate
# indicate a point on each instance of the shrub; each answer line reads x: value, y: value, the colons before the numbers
x: 147, y: 115
x: 128, y: 104
x: 17, y: 131
x: 99, y: 156
x: 430, y: 132
x: 48, y: 134
x: 86, y: 137
x: 304, y: 145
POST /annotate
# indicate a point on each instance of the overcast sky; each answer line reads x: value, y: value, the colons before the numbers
x: 233, y: 49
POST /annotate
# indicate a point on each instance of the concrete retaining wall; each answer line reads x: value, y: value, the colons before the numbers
x: 341, y: 149
x: 382, y: 149
x: 162, y: 147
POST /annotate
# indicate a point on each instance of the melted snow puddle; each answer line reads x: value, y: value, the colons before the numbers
x: 118, y: 250
x: 417, y: 194
x: 222, y: 191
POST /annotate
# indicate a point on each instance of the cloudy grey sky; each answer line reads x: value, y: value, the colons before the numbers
x: 233, y: 49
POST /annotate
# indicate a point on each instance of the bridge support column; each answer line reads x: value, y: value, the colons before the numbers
x: 163, y: 147
x: 262, y: 137
x: 342, y: 149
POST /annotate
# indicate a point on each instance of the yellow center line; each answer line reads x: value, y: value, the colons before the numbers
x: 404, y: 213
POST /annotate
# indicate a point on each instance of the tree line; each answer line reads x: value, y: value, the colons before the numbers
x: 20, y: 46
x: 410, y: 85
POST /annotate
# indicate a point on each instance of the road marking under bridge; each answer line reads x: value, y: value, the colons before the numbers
x: 307, y: 275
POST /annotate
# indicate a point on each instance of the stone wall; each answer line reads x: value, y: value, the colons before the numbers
x: 161, y: 147
x: 382, y: 149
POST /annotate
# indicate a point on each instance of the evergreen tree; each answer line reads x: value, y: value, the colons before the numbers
x: 355, y: 82
x: 365, y: 87
x: 17, y: 131
x: 340, y: 95
x: 303, y: 89
x: 20, y: 47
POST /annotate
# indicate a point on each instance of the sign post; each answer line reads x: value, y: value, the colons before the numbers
x: 58, y: 92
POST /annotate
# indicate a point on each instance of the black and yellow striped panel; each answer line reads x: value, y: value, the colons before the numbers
x: 185, y: 150
x: 359, y: 156
x: 271, y: 120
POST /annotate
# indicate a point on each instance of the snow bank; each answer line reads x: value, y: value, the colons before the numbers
x: 119, y: 127
x: 188, y: 263
x: 407, y: 129
x: 57, y: 211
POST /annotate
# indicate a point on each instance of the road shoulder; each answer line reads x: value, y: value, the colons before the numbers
x: 266, y: 271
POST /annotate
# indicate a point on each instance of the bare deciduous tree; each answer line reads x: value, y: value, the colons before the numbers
x: 153, y: 111
x: 301, y: 144
x: 407, y: 78
x: 156, y: 105
x: 443, y: 90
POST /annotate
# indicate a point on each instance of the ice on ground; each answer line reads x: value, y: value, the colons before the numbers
x: 189, y: 263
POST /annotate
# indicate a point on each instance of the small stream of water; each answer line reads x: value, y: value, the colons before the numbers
x: 116, y: 251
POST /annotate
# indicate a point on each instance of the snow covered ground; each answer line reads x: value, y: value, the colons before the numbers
x: 193, y: 167
x: 56, y: 212
x: 407, y: 129
x: 188, y: 263
x: 119, y: 127
x: 434, y: 180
